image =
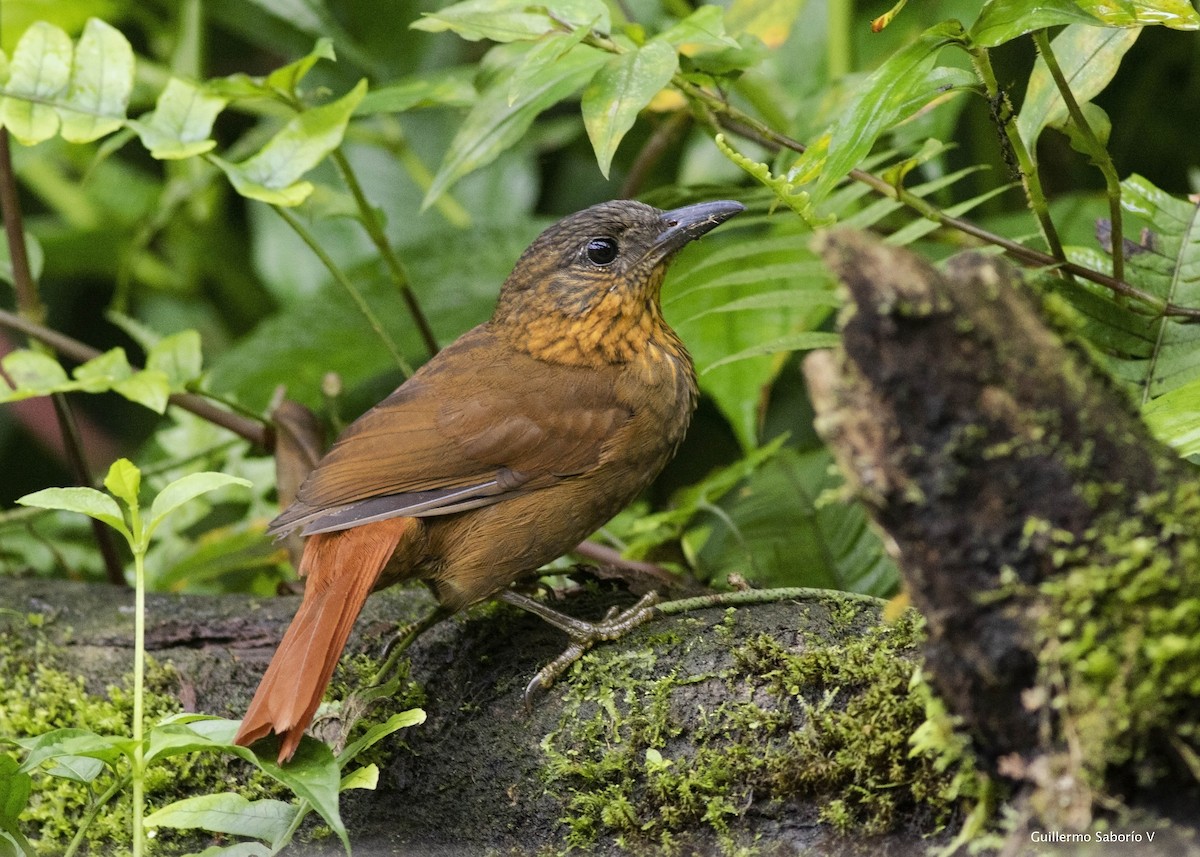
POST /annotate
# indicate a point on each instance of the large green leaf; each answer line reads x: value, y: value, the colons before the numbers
x: 1001, y: 21
x: 513, y: 20
x: 620, y: 90
x: 1089, y: 58
x: 752, y: 263
x: 1176, y: 14
x: 905, y: 82
x: 494, y: 124
x: 784, y: 526
x: 1152, y: 356
x: 227, y: 812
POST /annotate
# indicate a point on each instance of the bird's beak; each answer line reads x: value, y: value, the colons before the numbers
x: 681, y: 225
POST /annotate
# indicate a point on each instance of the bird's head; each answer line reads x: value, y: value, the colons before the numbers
x: 594, y: 277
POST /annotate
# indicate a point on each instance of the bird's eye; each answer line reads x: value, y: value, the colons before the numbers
x: 601, y: 251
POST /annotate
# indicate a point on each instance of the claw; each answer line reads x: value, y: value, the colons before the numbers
x: 583, y: 634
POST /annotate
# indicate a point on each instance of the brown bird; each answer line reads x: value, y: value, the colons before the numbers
x: 501, y: 453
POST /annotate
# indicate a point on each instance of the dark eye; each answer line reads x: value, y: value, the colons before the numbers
x: 601, y: 251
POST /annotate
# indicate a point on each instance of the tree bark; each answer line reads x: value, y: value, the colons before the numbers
x: 997, y: 459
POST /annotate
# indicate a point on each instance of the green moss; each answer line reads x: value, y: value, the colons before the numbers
x: 1120, y: 647
x: 817, y: 724
x: 38, y: 696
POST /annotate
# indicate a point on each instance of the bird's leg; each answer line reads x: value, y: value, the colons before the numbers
x: 404, y: 637
x: 583, y: 634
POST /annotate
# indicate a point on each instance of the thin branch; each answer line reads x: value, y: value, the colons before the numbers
x: 342, y: 280
x: 651, y: 153
x: 1097, y: 151
x: 29, y: 305
x: 255, y: 431
x: 1004, y: 116
x: 370, y: 221
x: 734, y: 121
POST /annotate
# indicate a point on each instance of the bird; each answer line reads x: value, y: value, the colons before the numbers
x: 505, y: 450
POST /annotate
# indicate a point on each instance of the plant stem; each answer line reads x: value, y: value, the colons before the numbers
x: 839, y: 47
x: 1096, y: 151
x: 370, y: 221
x: 253, y: 430
x: 340, y: 276
x: 118, y: 784
x: 139, y: 677
x: 30, y: 306
x: 1002, y: 112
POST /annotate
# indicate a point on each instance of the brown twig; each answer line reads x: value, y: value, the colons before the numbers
x: 29, y: 304
x: 651, y: 153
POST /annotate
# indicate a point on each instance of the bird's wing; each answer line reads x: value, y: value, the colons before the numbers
x: 477, y: 422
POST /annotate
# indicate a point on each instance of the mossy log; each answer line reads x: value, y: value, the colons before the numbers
x: 1047, y: 537
x: 777, y: 727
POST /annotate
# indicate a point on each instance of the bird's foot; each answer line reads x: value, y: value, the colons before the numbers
x: 583, y: 634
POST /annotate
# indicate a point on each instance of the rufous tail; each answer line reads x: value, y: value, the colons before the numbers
x: 342, y: 568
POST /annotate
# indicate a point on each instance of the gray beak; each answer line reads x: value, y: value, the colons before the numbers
x: 681, y: 225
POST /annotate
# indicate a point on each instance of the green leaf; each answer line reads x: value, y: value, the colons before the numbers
x: 60, y: 743
x: 15, y: 787
x: 1150, y: 355
x: 1089, y: 58
x: 779, y: 528
x: 647, y: 532
x: 450, y: 87
x: 38, y: 75
x: 366, y: 777
x: 619, y: 91
x: 272, y: 175
x: 178, y: 358
x: 287, y: 78
x: 704, y: 28
x: 541, y: 57
x: 227, y: 812
x: 1174, y: 417
x: 312, y: 774
x: 786, y: 191
x: 1176, y: 14
x: 99, y: 374
x: 512, y: 20
x: 87, y: 501
x: 32, y: 374
x: 149, y: 388
x: 124, y: 481
x: 786, y: 299
x: 803, y: 341
x: 181, y: 122
x: 1002, y: 21
x: 402, y: 720
x: 100, y: 84
x: 494, y: 125
x: 769, y: 20
x: 747, y: 259
x: 238, y: 849
x: 906, y: 81
x: 184, y: 489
